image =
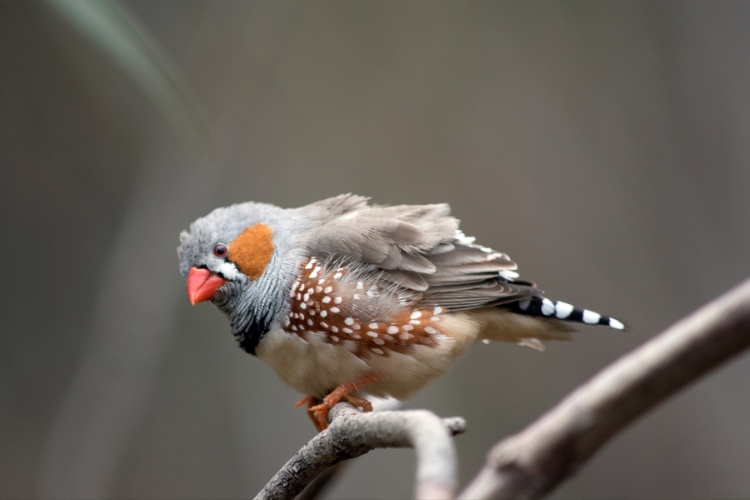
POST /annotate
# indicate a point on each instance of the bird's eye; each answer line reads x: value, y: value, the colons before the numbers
x: 221, y: 250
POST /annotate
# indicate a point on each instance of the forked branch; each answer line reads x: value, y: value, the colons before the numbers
x: 352, y: 434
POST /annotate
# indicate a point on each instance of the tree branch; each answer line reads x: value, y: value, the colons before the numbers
x: 534, y: 461
x: 352, y: 434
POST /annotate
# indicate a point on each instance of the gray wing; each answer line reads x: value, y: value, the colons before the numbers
x: 416, y: 247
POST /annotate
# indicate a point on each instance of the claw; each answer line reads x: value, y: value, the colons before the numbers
x: 307, y: 400
x: 319, y: 415
x: 358, y: 402
x: 310, y: 401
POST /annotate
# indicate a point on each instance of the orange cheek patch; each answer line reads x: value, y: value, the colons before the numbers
x: 252, y: 250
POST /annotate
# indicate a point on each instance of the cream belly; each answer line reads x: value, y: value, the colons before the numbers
x: 315, y: 367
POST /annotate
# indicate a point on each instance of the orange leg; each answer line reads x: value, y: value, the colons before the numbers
x: 319, y: 413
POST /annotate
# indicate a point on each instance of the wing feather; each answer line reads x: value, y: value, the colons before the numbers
x: 407, y: 279
x: 417, y: 248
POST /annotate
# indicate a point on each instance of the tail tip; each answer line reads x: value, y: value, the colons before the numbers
x: 616, y: 324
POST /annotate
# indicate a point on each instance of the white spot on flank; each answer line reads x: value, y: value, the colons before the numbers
x: 356, y: 296
x: 524, y: 304
x: 334, y: 329
x: 379, y: 341
x: 356, y: 326
x: 354, y: 336
x: 416, y: 314
x: 335, y: 310
x: 548, y: 308
x: 360, y: 286
x: 337, y: 300
x: 323, y: 314
x: 318, y: 289
x: 326, y: 299
x: 336, y: 276
x: 321, y: 281
x: 430, y: 330
x: 563, y: 310
x: 434, y: 319
x: 328, y: 289
x: 437, y: 311
x: 334, y: 338
x: 485, y: 341
x: 591, y: 317
x: 377, y: 350
x: 416, y: 321
x: 306, y: 297
x: 310, y: 322
x: 613, y: 323
x: 294, y: 328
x: 388, y: 338
x: 347, y: 330
x: 312, y: 312
x: 392, y: 329
x: 299, y: 296
x: 303, y: 305
x: 324, y: 324
x: 406, y: 328
x: 372, y: 334
x: 310, y: 290
x: 286, y: 321
x: 405, y: 336
x: 310, y: 264
x: 374, y: 326
x: 349, y: 321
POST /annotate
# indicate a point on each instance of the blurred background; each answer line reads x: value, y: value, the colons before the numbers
x: 603, y: 145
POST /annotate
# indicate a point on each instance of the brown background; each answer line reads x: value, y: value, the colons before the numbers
x: 604, y: 146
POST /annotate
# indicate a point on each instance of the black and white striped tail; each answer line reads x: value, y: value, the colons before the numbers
x: 554, y: 309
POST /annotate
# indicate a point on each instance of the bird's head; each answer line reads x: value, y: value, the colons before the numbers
x: 243, y: 258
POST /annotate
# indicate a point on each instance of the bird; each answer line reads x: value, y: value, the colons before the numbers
x: 346, y: 299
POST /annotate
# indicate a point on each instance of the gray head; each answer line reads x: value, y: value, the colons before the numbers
x: 244, y: 259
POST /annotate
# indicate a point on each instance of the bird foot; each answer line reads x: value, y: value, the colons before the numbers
x: 319, y: 413
x: 318, y: 410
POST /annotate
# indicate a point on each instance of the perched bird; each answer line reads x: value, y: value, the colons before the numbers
x: 343, y: 298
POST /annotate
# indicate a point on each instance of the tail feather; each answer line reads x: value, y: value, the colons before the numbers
x: 555, y: 309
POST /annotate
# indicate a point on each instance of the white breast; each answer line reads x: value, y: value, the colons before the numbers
x: 315, y: 368
x: 311, y: 367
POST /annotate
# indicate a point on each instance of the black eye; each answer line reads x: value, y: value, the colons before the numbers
x: 221, y: 250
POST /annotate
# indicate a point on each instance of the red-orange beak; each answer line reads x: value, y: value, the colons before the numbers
x: 202, y: 284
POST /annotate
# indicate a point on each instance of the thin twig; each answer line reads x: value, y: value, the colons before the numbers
x: 534, y: 461
x: 352, y: 434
